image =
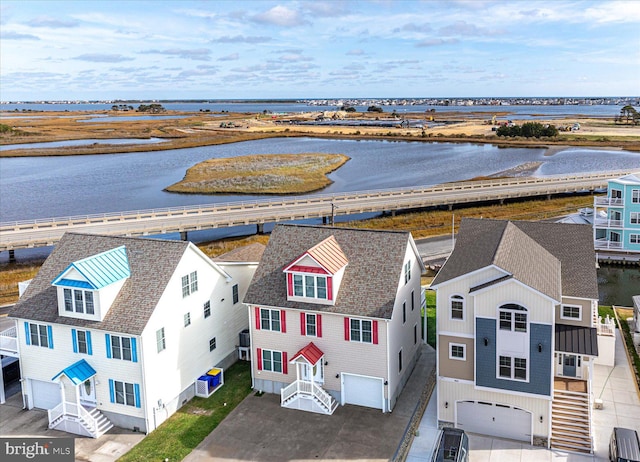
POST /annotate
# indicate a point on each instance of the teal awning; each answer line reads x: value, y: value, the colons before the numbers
x: 78, y: 372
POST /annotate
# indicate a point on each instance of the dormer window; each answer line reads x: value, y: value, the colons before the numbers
x: 80, y: 301
x: 310, y: 286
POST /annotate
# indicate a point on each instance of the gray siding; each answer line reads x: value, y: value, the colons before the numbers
x: 539, y: 363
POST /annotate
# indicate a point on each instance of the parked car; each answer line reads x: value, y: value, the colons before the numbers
x: 624, y: 445
x: 453, y: 446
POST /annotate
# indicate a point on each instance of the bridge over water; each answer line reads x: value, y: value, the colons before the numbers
x: 44, y: 232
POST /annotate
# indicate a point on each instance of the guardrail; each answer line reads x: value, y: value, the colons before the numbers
x: 46, y: 231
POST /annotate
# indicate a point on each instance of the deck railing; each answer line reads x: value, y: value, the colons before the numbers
x: 9, y: 341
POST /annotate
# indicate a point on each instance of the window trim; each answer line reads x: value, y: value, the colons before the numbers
x: 453, y: 345
x: 407, y: 272
x: 187, y: 319
x: 206, y: 308
x: 270, y: 320
x: 634, y: 218
x: 189, y: 283
x: 212, y: 344
x: 113, y: 393
x: 76, y: 341
x: 459, y: 299
x: 235, y: 294
x: 44, y: 334
x: 120, y: 348
x: 272, y: 362
x: 635, y: 196
x: 360, y: 330
x: 570, y: 318
x: 513, y: 315
x: 400, y: 361
x: 512, y: 368
x: 634, y: 238
x: 162, y: 338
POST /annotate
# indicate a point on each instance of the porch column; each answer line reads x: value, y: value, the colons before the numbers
x: 2, y: 397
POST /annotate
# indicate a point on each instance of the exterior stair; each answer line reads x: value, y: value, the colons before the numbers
x: 307, y: 396
x: 103, y: 425
x: 571, y: 422
x: 74, y: 418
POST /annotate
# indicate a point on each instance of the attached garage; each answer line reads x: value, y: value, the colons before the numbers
x: 363, y: 391
x: 45, y: 395
x: 494, y: 420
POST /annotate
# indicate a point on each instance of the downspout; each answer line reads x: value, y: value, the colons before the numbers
x: 144, y: 387
x: 251, y: 329
x: 387, y: 401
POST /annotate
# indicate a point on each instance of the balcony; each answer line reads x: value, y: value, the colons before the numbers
x: 608, y: 202
x: 9, y: 342
x: 603, y: 222
x: 604, y: 244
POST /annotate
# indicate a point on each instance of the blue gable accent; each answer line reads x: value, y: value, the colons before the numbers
x: 74, y: 284
x: 99, y: 270
x: 77, y: 372
x: 540, y: 363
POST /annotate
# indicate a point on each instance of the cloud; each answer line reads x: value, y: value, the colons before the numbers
x: 355, y: 52
x: 242, y: 39
x: 436, y: 42
x: 196, y: 73
x: 102, y: 58
x: 326, y: 9
x: 231, y: 57
x: 198, y: 54
x: 279, y: 16
x: 294, y: 58
x: 413, y: 27
x: 52, y: 23
x: 465, y: 28
x: 17, y: 36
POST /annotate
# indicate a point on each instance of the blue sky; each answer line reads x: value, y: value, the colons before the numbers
x: 126, y: 49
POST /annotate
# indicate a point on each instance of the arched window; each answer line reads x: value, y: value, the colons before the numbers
x: 456, y: 307
x: 513, y: 317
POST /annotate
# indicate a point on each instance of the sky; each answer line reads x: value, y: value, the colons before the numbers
x: 224, y: 49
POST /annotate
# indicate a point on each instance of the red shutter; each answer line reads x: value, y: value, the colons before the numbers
x: 283, y: 321
x: 319, y: 325
x: 329, y: 288
x: 257, y: 318
x: 347, y: 337
x: 259, y: 355
x: 285, y: 364
x: 303, y: 324
x: 290, y: 284
x: 374, y: 328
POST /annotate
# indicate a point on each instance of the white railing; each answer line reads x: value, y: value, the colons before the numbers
x: 303, y: 387
x: 74, y: 412
x: 609, y: 201
x: 322, y: 396
x: 9, y: 340
x: 606, y: 327
x: 55, y: 413
x: 607, y: 223
x: 606, y: 244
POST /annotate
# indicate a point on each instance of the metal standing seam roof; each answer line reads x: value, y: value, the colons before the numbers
x: 78, y: 372
x: 310, y: 352
x: 576, y: 339
x: 100, y: 270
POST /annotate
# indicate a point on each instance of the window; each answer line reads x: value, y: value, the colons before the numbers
x: 189, y: 284
x: 634, y: 238
x: 457, y: 307
x: 38, y: 335
x: 81, y: 340
x: 635, y: 196
x: 413, y: 300
x: 297, y: 285
x: 400, y: 361
x: 415, y: 334
x: 512, y: 368
x: 310, y: 324
x: 635, y: 218
x: 187, y: 319
x: 360, y: 331
x: 68, y: 300
x: 404, y: 312
x: 212, y: 344
x: 121, y: 348
x: 160, y: 340
x: 272, y: 361
x: 513, y: 317
x: 124, y: 393
x: 457, y: 351
x: 571, y: 312
x: 270, y: 319
x: 80, y: 300
x: 207, y: 309
x: 236, y: 296
x: 407, y: 272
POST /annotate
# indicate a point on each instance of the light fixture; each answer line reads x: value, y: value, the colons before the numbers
x: 386, y: 382
x: 326, y: 363
x: 337, y: 376
x: 486, y: 341
x: 541, y: 419
x: 539, y: 347
x: 446, y: 404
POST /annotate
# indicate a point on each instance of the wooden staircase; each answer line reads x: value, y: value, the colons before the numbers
x: 307, y: 396
x: 571, y: 422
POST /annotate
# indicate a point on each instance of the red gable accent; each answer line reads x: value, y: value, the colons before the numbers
x: 327, y: 253
x: 307, y: 269
x: 311, y: 353
x: 290, y: 284
x: 283, y: 321
x: 347, y: 332
x: 285, y: 363
x: 257, y: 310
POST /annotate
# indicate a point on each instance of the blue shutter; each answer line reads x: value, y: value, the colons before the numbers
x: 107, y: 339
x: 112, y: 391
x: 89, y: 348
x: 134, y: 350
x: 74, y: 339
x: 50, y: 336
x: 26, y: 330
x: 136, y: 391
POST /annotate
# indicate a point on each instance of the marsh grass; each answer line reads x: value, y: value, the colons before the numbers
x: 261, y: 174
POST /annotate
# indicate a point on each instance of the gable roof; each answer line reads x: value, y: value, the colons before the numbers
x: 309, y: 352
x: 328, y: 254
x: 251, y: 253
x: 370, y: 281
x: 630, y: 179
x: 99, y: 270
x: 78, y: 372
x: 541, y: 255
x: 152, y: 263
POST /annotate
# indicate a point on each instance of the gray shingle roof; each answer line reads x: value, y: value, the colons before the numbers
x: 536, y: 253
x: 152, y: 263
x: 370, y: 279
x: 247, y: 253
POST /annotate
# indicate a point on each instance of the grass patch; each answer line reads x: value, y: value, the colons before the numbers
x: 184, y: 430
x: 430, y: 296
x: 606, y: 310
x: 261, y: 174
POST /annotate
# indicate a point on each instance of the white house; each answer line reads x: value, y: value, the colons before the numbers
x: 117, y: 331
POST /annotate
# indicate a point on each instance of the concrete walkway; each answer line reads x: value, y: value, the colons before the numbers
x: 614, y: 385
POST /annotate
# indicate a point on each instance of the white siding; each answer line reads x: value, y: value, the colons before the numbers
x: 539, y: 309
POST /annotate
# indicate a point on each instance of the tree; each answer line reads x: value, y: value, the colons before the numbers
x: 374, y: 109
x: 629, y: 113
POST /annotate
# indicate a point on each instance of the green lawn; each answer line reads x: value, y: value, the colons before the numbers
x: 430, y: 296
x: 185, y: 429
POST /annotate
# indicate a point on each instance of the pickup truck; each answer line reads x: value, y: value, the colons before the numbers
x: 452, y: 446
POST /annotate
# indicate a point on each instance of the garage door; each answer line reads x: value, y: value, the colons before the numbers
x: 363, y: 391
x: 494, y: 420
x: 45, y: 395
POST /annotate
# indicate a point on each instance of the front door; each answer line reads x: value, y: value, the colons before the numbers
x: 569, y: 366
x: 88, y: 393
x: 310, y: 372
